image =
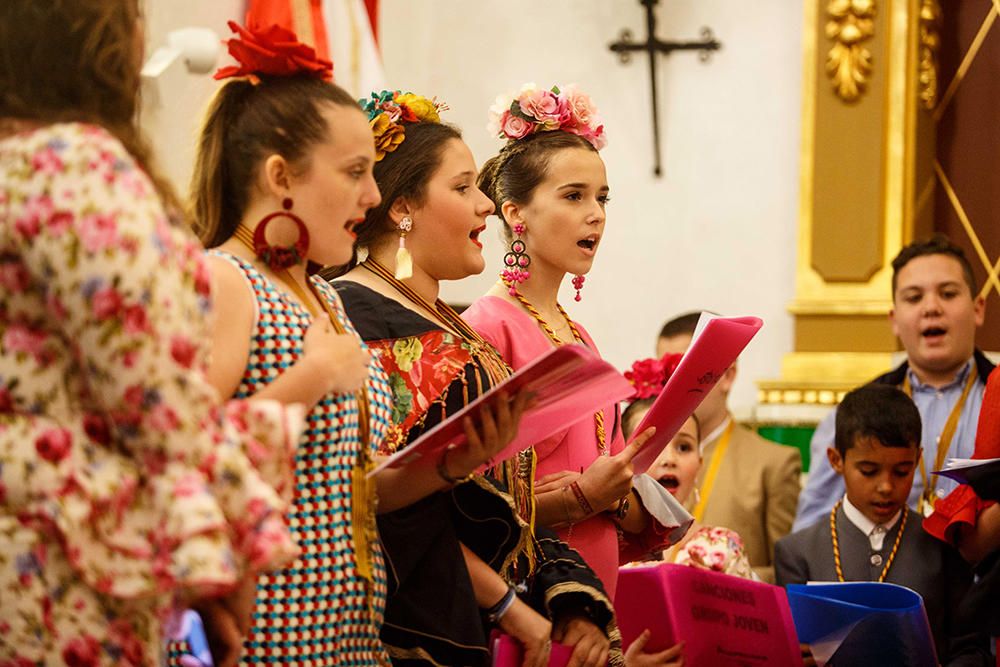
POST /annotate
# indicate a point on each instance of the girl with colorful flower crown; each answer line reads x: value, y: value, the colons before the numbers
x: 283, y: 177
x: 467, y: 559
x: 550, y: 190
x: 126, y: 487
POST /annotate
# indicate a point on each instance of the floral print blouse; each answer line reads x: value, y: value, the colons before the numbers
x: 713, y: 548
x: 125, y: 485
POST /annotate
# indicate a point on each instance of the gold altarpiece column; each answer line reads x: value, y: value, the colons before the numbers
x: 869, y: 84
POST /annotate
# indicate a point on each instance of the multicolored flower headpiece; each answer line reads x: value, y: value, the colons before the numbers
x: 389, y: 110
x: 535, y: 110
x: 649, y: 376
x: 271, y: 51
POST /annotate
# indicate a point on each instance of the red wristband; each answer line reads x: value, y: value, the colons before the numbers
x: 581, y: 499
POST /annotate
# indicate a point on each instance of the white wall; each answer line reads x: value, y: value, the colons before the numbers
x: 718, y: 230
x: 173, y: 106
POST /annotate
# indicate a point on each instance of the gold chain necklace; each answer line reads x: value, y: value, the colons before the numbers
x: 363, y: 495
x: 602, y: 446
x: 836, y: 544
x: 497, y: 369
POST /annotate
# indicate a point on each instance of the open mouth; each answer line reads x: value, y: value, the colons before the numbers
x: 670, y: 483
x: 474, y: 235
x: 884, y: 508
x: 351, y: 225
x: 933, y: 332
x: 589, y: 243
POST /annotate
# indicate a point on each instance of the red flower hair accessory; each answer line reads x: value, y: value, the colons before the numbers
x: 649, y: 376
x: 272, y: 51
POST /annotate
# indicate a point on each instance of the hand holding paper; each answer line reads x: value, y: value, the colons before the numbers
x: 569, y: 383
x: 983, y: 475
x: 716, y: 345
x: 609, y: 478
x: 487, y: 432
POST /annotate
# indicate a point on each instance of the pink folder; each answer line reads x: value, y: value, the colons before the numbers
x: 570, y: 383
x: 724, y: 621
x: 710, y: 354
x: 508, y: 652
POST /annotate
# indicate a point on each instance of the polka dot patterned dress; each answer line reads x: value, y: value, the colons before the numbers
x: 317, y: 611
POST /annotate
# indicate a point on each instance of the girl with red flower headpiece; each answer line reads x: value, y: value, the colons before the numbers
x: 708, y: 547
x: 713, y: 548
x: 283, y: 176
x: 125, y: 486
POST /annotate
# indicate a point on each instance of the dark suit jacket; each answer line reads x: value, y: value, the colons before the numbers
x: 928, y: 566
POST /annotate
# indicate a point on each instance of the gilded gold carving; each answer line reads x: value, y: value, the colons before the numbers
x: 930, y: 44
x: 851, y: 23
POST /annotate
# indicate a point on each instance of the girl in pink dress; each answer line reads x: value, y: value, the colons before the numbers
x: 550, y: 190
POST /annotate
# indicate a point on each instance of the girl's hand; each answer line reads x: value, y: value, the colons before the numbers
x: 338, y: 362
x: 556, y: 481
x: 222, y: 632
x: 532, y: 630
x: 635, y: 657
x: 590, y: 645
x: 498, y: 422
x: 228, y: 620
x: 609, y: 478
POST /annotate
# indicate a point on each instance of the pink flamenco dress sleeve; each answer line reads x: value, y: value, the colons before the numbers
x: 962, y: 506
x: 150, y: 484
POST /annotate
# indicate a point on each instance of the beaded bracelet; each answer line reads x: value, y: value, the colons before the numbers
x: 497, y: 611
x: 581, y: 499
x: 442, y: 470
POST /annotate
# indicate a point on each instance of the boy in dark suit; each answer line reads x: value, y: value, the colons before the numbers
x: 871, y: 534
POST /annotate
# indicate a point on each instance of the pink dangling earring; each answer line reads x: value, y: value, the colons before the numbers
x: 516, y: 262
x: 578, y: 284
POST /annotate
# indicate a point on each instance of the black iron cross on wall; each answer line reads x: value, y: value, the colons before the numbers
x: 653, y: 45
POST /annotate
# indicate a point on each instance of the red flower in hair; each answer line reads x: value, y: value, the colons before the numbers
x: 649, y: 376
x: 273, y: 51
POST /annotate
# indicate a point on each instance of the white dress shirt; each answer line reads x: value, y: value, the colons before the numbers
x: 876, y: 532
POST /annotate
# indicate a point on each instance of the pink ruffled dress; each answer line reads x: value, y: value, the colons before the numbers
x: 518, y: 338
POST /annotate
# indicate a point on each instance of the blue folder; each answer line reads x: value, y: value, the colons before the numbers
x: 863, y: 623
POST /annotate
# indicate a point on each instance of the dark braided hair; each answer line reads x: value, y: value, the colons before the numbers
x: 403, y: 173
x: 521, y: 166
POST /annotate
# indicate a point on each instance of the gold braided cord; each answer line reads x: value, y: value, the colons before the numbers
x: 836, y: 544
x: 496, y: 368
x: 602, y: 437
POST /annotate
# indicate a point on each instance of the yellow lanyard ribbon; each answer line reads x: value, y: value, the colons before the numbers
x: 927, y: 498
x: 713, y: 470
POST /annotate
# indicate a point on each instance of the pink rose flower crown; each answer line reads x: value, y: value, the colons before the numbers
x: 536, y: 110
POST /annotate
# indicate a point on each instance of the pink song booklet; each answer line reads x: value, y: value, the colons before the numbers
x: 717, y: 343
x: 570, y: 383
x: 508, y: 652
x: 724, y: 621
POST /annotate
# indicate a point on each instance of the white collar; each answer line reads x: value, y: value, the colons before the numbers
x: 717, y: 433
x: 864, y: 524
